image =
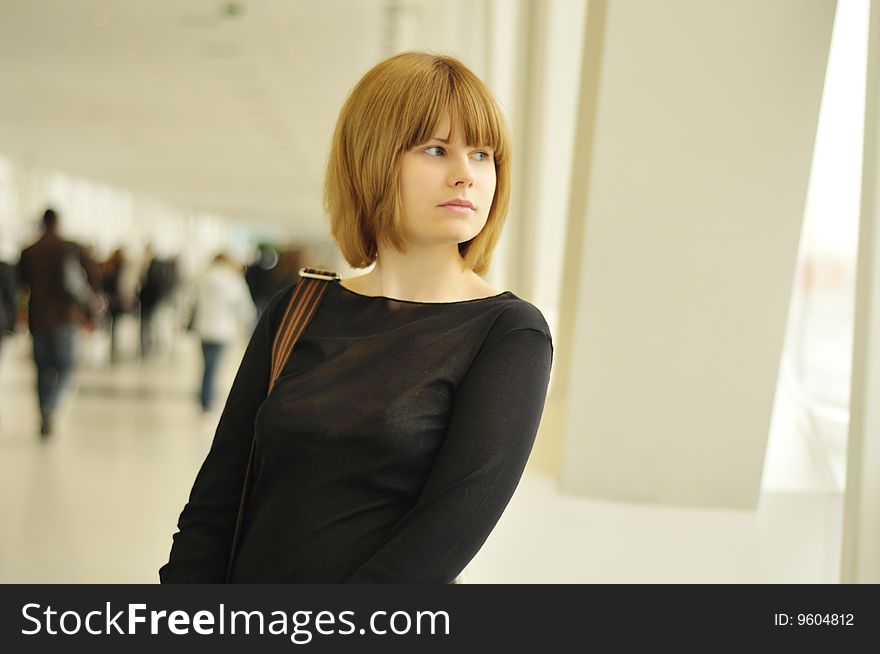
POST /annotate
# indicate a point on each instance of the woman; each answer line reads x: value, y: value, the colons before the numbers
x: 400, y: 426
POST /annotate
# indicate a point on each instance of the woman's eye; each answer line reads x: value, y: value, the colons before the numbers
x: 434, y: 150
x: 482, y: 156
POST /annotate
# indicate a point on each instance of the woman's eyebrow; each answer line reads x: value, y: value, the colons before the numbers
x: 446, y: 140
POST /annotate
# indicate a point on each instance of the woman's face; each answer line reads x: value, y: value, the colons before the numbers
x: 446, y: 188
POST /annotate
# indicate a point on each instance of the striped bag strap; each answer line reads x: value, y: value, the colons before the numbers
x: 303, y: 304
x: 300, y: 309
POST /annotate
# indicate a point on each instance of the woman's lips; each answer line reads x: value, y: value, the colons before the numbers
x: 456, y: 208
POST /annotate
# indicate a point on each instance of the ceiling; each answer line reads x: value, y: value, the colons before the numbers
x: 184, y: 100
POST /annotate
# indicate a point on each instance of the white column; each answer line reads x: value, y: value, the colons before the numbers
x: 861, y: 522
x: 549, y: 447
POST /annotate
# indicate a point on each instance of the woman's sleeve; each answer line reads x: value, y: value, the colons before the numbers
x: 495, y: 416
x: 200, y: 549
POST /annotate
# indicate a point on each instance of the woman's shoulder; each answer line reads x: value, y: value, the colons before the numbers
x: 518, y: 314
x: 518, y: 322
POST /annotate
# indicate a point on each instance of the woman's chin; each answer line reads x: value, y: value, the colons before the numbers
x: 446, y: 238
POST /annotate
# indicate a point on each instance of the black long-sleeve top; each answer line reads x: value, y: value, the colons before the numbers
x: 385, y: 453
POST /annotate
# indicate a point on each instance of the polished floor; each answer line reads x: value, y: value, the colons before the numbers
x: 98, y: 502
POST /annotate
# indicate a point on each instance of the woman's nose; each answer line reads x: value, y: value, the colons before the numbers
x: 462, y: 175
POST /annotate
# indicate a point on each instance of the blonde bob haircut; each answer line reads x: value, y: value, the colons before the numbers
x: 396, y: 106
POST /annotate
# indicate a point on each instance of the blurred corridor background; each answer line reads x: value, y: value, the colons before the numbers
x: 694, y: 211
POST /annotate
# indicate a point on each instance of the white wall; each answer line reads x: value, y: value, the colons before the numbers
x: 705, y: 116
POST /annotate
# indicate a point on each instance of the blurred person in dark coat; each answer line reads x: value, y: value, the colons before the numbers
x: 158, y: 286
x: 8, y: 302
x: 119, y: 301
x: 63, y: 283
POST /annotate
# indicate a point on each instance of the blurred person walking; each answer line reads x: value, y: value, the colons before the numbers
x: 223, y: 305
x: 62, y: 282
x: 120, y: 300
x: 159, y: 283
x: 8, y: 302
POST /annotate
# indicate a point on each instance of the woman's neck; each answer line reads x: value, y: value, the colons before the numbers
x: 427, y: 275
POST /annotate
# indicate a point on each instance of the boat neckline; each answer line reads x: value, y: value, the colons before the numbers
x: 394, y: 299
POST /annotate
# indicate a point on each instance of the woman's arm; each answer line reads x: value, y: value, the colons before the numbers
x: 495, y: 417
x: 200, y: 552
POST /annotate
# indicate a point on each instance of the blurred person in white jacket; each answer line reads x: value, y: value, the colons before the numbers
x: 223, y: 306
